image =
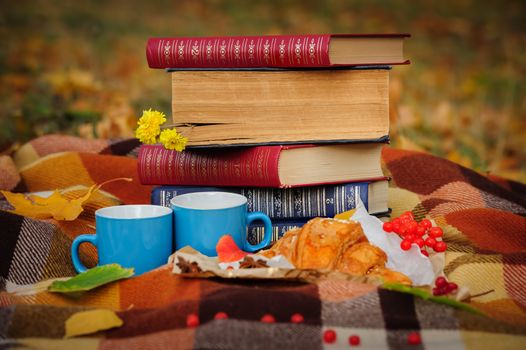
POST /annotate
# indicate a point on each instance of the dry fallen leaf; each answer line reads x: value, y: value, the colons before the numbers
x: 54, y: 206
x: 346, y: 215
x: 88, y: 322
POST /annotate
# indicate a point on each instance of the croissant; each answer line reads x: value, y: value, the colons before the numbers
x: 331, y: 244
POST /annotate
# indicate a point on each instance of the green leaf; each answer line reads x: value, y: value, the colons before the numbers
x: 424, y: 294
x: 92, y: 278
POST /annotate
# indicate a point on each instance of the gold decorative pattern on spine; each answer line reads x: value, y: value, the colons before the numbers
x: 282, y: 51
x: 193, y: 171
x: 222, y: 50
x: 209, y: 51
x: 166, y: 52
x: 259, y: 168
x: 180, y: 51
x: 266, y: 52
x: 312, y: 50
x: 251, y: 47
x: 195, y: 51
x: 158, y: 165
x: 237, y: 50
x: 297, y: 51
x: 203, y: 166
x: 181, y: 167
x: 148, y: 165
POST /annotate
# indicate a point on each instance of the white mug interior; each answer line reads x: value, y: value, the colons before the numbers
x: 133, y: 211
x: 208, y: 200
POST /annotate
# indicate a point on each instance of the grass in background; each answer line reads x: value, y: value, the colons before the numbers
x: 80, y: 68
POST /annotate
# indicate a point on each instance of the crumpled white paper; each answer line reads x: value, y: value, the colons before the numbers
x: 410, y: 262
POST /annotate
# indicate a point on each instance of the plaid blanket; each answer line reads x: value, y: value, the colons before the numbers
x: 484, y: 220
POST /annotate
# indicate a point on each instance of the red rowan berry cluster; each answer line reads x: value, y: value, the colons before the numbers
x: 443, y: 287
x: 422, y: 233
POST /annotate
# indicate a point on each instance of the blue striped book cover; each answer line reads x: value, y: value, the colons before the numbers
x: 284, y: 203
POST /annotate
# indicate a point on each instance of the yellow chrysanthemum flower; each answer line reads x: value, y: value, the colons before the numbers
x: 150, y: 118
x: 147, y: 135
x: 171, y: 139
x: 149, y: 126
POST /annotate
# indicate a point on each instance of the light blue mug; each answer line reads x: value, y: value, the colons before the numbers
x: 138, y: 236
x: 202, y: 218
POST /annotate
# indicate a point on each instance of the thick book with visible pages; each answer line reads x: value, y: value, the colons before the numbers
x: 298, y: 202
x: 311, y: 50
x: 288, y: 106
x: 261, y: 166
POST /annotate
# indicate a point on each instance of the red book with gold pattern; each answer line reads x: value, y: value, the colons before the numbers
x: 261, y: 166
x: 285, y: 51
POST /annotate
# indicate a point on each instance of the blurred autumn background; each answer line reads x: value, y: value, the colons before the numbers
x: 80, y: 67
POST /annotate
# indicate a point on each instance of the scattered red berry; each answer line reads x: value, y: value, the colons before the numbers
x: 192, y: 320
x: 329, y: 336
x: 440, y: 247
x: 444, y: 287
x: 297, y: 318
x: 440, y: 282
x: 268, y: 318
x: 413, y: 338
x: 396, y: 227
x: 410, y: 238
x: 405, y: 244
x: 424, y: 252
x: 451, y: 287
x: 221, y: 316
x: 354, y: 340
x: 388, y: 226
x: 435, y: 232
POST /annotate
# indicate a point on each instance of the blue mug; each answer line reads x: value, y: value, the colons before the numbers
x: 138, y: 236
x: 202, y: 218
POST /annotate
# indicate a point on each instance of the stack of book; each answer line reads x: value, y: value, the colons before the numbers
x: 294, y: 123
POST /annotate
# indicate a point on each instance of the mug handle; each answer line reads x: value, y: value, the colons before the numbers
x: 267, y: 234
x: 79, y: 267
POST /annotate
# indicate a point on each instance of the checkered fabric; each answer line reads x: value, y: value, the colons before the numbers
x: 483, y: 218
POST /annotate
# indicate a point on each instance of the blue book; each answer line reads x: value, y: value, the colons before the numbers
x: 279, y: 227
x: 295, y: 203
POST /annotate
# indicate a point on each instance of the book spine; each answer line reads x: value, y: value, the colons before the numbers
x: 239, y: 51
x: 283, y: 203
x: 251, y: 167
x: 256, y: 232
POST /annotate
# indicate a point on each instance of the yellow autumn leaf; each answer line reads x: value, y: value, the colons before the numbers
x: 55, y: 206
x: 88, y: 322
x: 346, y: 215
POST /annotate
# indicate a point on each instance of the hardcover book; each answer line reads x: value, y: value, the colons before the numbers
x: 288, y: 106
x: 255, y: 231
x: 261, y: 166
x: 299, y: 202
x: 312, y: 50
